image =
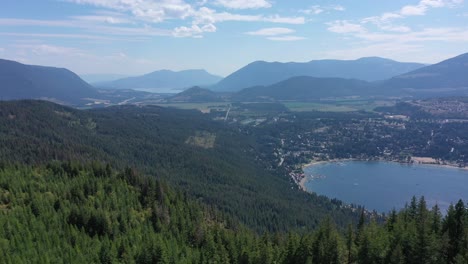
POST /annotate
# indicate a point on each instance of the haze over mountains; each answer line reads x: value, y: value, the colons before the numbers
x: 98, y: 78
x: 447, y: 78
x: 268, y: 73
x: 164, y: 81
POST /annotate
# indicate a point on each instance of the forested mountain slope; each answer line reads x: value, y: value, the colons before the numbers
x: 89, y: 213
x: 20, y: 81
x: 212, y: 162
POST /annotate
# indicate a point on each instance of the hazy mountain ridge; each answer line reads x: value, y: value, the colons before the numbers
x: 446, y: 77
x: 449, y: 77
x: 99, y: 78
x: 164, y: 81
x: 261, y: 73
x: 305, y: 88
x: 21, y: 81
x: 197, y: 94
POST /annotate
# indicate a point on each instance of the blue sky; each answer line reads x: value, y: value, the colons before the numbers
x: 139, y: 36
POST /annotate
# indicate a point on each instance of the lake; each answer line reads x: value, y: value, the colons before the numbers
x: 386, y: 185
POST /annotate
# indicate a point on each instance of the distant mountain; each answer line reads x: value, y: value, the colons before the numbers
x: 268, y: 73
x: 196, y: 94
x: 164, y: 81
x: 20, y: 81
x: 449, y: 77
x: 99, y: 78
x: 305, y: 88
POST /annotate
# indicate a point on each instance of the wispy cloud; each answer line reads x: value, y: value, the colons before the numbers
x: 207, y: 15
x: 103, y: 19
x: 244, y: 4
x: 48, y: 35
x: 386, y: 20
x: 151, y: 11
x: 345, y: 26
x: 276, y: 34
x: 201, y: 18
x: 317, y: 9
x: 36, y: 22
x: 193, y: 31
x: 44, y: 49
x: 423, y: 5
x: 286, y: 38
x: 448, y: 34
x: 271, y: 32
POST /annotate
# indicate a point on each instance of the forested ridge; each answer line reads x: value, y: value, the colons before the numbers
x: 230, y: 175
x: 68, y: 212
x: 154, y: 185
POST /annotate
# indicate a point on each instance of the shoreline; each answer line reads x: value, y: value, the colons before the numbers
x: 414, y: 161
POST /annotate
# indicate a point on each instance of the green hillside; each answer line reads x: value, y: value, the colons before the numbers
x: 74, y: 213
x: 227, y: 173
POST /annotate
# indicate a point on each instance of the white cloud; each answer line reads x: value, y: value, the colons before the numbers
x: 385, y: 21
x: 313, y: 10
x: 423, y: 5
x: 284, y: 20
x: 44, y: 49
x: 425, y: 35
x: 344, y: 26
x: 34, y: 22
x: 206, y: 15
x: 393, y: 28
x: 317, y: 9
x: 271, y: 32
x: 48, y: 35
x: 152, y: 11
x: 410, y: 10
x: 103, y: 19
x: 338, y: 8
x: 244, y: 4
x: 201, y: 18
x: 192, y: 31
x: 286, y: 38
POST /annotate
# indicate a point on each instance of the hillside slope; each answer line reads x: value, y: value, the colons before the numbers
x: 20, y: 81
x: 212, y: 162
x: 449, y: 77
x: 305, y: 88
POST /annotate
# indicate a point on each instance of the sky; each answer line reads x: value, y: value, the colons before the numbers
x: 133, y: 37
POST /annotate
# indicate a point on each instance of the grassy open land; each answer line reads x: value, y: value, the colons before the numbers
x: 337, y: 106
x: 202, y: 107
x: 202, y: 139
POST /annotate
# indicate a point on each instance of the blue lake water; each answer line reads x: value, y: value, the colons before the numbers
x: 386, y: 185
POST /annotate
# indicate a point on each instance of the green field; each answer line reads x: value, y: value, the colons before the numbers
x: 203, y: 107
x: 328, y: 106
x: 336, y: 106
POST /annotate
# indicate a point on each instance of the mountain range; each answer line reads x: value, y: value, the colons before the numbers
x: 447, y: 78
x: 261, y: 73
x: 163, y: 81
